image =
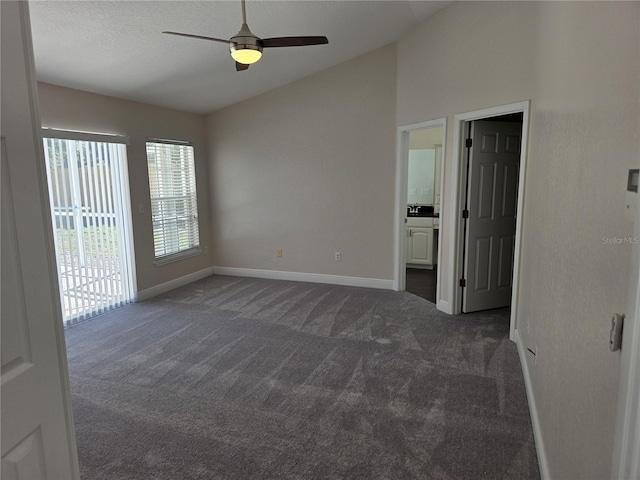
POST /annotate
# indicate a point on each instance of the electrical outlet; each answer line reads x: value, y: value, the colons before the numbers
x: 279, y: 252
x: 337, y: 256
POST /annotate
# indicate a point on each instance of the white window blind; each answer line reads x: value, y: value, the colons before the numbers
x: 89, y: 198
x: 174, y: 208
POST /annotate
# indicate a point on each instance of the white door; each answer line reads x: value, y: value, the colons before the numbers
x: 492, y: 198
x: 37, y: 428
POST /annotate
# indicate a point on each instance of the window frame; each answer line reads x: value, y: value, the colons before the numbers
x: 157, y: 196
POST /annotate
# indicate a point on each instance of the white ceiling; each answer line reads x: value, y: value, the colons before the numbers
x: 116, y: 48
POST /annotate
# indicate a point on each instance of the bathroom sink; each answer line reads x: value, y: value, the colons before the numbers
x: 420, y: 211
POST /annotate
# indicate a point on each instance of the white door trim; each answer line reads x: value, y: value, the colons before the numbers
x: 626, y: 446
x: 455, y: 265
x: 58, y: 467
x: 402, y: 168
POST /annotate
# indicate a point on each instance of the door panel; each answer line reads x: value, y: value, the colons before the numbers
x: 513, y: 143
x: 420, y: 243
x: 486, y: 187
x: 505, y: 258
x: 37, y: 429
x: 15, y: 333
x: 509, y: 192
x: 482, y: 277
x: 16, y: 354
x: 492, y: 201
x: 25, y: 460
x: 489, y: 142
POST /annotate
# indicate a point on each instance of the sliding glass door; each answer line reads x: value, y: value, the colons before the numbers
x: 90, y: 209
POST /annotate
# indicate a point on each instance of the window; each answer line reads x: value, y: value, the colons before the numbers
x: 174, y: 207
x: 91, y: 217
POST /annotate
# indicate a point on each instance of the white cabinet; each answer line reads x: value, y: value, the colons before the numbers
x: 420, y: 242
x: 420, y: 248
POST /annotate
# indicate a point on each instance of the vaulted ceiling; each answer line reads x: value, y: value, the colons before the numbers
x: 116, y: 48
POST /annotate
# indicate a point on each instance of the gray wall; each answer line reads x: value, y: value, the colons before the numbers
x: 309, y: 169
x: 69, y: 109
x: 579, y: 65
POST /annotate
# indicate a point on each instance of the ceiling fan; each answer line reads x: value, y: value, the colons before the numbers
x: 246, y: 48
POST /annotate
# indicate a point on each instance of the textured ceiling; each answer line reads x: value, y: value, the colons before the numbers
x: 115, y: 47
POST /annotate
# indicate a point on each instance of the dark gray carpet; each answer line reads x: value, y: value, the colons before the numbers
x: 238, y: 378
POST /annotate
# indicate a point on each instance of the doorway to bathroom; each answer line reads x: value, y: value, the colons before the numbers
x: 421, y: 151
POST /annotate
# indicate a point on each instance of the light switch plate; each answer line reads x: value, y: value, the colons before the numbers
x: 632, y: 180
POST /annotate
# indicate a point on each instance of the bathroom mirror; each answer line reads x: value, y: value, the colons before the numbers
x: 425, y: 152
x: 421, y: 176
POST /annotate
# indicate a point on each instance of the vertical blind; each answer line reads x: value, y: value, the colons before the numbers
x: 174, y: 208
x: 89, y: 199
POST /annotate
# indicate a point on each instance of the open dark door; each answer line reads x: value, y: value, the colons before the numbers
x: 492, y: 199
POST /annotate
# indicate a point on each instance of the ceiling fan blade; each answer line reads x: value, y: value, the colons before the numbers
x: 198, y: 36
x: 241, y: 66
x: 293, y: 41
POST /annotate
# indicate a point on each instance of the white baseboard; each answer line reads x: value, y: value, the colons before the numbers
x: 305, y: 277
x: 270, y: 274
x: 172, y: 284
x: 535, y: 421
x: 443, y: 306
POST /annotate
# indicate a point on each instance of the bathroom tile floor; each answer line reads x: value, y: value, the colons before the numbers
x: 422, y: 283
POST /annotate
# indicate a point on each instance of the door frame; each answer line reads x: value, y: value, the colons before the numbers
x: 402, y: 171
x: 626, y: 443
x: 458, y: 185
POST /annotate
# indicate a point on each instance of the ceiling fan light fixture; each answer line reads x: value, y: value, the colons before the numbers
x: 246, y: 54
x: 246, y: 48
